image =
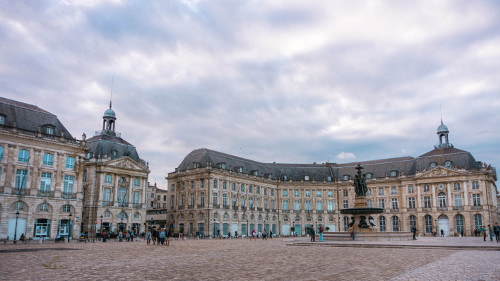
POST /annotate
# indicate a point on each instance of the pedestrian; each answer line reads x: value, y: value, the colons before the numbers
x: 218, y: 233
x: 236, y: 234
x: 414, y: 231
x: 271, y: 234
x: 490, y: 232
x: 162, y: 236
x: 320, y: 230
x: 353, y: 234
x: 442, y: 233
x: 484, y: 232
x: 153, y: 235
x: 158, y: 237
x: 132, y: 236
x: 259, y: 234
x: 167, y: 239
x: 496, y: 229
x: 253, y: 234
x: 313, y: 234
x: 148, y: 237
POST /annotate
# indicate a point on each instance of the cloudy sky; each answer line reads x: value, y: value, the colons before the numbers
x: 285, y: 81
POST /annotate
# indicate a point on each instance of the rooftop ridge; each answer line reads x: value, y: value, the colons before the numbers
x: 24, y: 105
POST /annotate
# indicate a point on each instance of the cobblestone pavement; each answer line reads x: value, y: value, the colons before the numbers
x: 242, y: 259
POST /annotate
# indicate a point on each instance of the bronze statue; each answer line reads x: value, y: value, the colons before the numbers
x: 360, y: 187
x: 362, y: 222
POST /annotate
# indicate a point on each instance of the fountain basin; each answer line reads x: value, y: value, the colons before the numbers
x: 362, y: 211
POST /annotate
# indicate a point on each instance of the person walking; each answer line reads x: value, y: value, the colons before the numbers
x: 162, y: 236
x: 484, y: 233
x: 253, y: 235
x: 148, y: 237
x: 490, y: 231
x: 313, y: 234
x: 153, y: 235
x: 414, y: 231
x: 496, y: 229
x: 442, y: 233
x: 320, y: 230
x: 167, y: 237
x: 270, y: 234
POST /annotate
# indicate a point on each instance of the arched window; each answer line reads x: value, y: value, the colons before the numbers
x: 44, y: 207
x: 320, y: 218
x: 433, y: 165
x: 459, y: 224
x: 122, y: 215
x: 19, y: 206
x: 448, y: 164
x: 235, y: 217
x: 394, y: 173
x: 122, y: 196
x: 428, y: 224
x: 226, y: 216
x: 478, y: 221
x: 413, y: 222
x: 286, y: 218
x: 297, y: 218
x: 442, y: 200
x: 346, y: 223
x: 382, y: 223
x: 369, y: 175
x: 395, y: 224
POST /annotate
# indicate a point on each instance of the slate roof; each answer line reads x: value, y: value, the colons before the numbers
x: 104, y: 144
x: 30, y: 117
x: 379, y: 168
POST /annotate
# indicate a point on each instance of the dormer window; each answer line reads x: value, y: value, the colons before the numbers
x: 48, y: 129
x: 346, y: 177
x: 329, y: 178
x: 2, y: 119
x: 369, y: 175
x: 88, y: 155
x: 284, y: 177
x: 255, y: 173
x: 394, y: 173
x: 239, y: 169
x: 448, y: 164
x: 268, y: 175
x: 306, y: 178
x: 222, y: 166
x: 196, y: 165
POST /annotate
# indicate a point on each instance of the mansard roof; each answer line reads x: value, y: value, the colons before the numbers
x: 379, y: 168
x: 459, y: 158
x: 107, y: 145
x: 30, y: 117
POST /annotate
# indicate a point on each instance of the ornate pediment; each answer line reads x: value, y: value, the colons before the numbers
x: 440, y: 172
x: 126, y: 163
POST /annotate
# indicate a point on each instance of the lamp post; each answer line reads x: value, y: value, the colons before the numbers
x: 69, y: 231
x: 100, y: 236
x: 121, y: 224
x: 15, y: 229
x: 247, y: 228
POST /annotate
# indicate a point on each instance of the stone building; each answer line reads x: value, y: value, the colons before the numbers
x: 159, y: 207
x: 41, y: 171
x: 115, y: 182
x: 443, y: 189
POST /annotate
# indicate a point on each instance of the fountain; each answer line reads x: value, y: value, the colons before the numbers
x: 361, y: 221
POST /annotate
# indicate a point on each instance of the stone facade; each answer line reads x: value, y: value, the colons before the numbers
x: 160, y: 208
x: 115, y: 183
x: 41, y: 171
x: 444, y: 189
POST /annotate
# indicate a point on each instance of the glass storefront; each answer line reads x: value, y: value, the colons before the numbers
x: 42, y: 229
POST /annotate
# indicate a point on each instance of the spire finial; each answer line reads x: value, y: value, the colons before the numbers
x: 111, y: 98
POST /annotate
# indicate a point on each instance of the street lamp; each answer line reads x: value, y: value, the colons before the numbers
x: 15, y: 230
x: 247, y: 228
x: 100, y: 236
x: 121, y: 224
x: 69, y: 232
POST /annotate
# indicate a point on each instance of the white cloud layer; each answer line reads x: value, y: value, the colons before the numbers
x: 282, y: 81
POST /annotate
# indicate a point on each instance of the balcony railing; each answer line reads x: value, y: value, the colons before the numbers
x: 285, y: 211
x: 69, y: 195
x: 107, y: 203
x: 19, y: 191
x: 226, y: 207
x: 180, y: 207
x: 331, y: 211
x: 296, y: 211
x: 243, y: 208
x: 122, y: 204
x: 137, y: 205
x: 427, y: 209
x: 458, y: 208
x: 46, y: 193
x: 259, y: 209
x: 394, y: 210
x: 442, y: 208
x: 477, y: 207
x: 200, y: 206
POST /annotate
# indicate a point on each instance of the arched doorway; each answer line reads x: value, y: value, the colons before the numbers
x: 444, y: 224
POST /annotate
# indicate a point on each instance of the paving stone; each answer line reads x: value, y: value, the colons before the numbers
x: 242, y: 259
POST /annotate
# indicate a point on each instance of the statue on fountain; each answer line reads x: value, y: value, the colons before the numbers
x: 360, y: 187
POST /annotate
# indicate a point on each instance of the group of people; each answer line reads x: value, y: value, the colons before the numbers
x: 495, y: 230
x: 321, y: 230
x: 260, y: 234
x: 159, y: 237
